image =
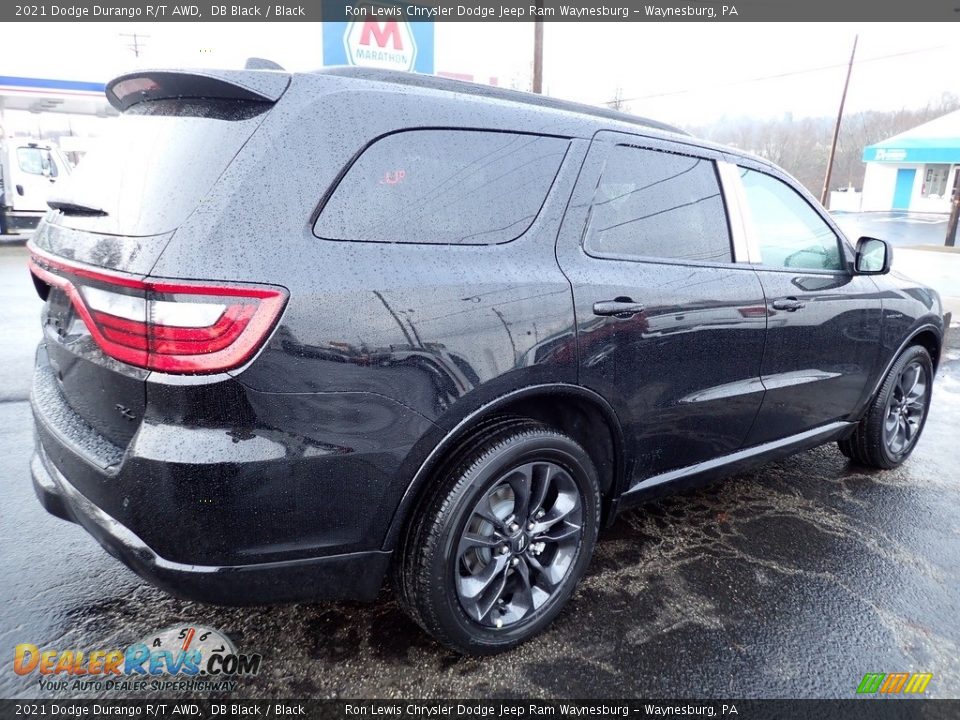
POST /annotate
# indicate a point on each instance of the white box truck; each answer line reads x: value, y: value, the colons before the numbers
x: 29, y: 173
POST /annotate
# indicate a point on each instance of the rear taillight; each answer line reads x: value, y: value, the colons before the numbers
x: 182, y: 327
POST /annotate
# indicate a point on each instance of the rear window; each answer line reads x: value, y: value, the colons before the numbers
x: 454, y: 187
x: 157, y: 163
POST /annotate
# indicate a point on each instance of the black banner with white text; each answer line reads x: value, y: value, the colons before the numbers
x: 485, y: 10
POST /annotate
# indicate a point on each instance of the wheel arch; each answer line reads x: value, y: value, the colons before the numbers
x: 574, y: 410
x: 927, y: 335
x: 929, y: 339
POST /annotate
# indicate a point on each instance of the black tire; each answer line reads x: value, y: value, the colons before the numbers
x: 435, y: 577
x: 877, y: 441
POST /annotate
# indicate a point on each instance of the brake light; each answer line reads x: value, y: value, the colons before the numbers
x: 183, y: 327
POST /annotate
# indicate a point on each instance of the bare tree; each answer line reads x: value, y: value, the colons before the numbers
x: 801, y: 146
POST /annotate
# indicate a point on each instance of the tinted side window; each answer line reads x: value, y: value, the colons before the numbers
x: 657, y: 204
x: 790, y: 233
x: 460, y: 187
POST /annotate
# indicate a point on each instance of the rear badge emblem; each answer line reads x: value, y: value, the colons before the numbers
x: 125, y: 411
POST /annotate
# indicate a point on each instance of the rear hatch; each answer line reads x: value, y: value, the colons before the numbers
x: 92, y: 254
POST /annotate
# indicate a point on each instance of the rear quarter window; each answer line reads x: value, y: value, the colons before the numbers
x: 451, y: 187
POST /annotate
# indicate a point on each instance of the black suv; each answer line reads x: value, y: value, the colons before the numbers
x: 305, y: 330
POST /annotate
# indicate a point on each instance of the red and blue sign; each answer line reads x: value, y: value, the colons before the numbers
x: 383, y: 44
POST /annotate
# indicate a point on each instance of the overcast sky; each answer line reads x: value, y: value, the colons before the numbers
x: 684, y: 73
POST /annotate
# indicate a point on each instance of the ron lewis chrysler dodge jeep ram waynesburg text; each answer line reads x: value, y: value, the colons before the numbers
x: 353, y: 324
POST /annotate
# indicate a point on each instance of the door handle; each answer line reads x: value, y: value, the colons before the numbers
x: 788, y: 303
x: 621, y: 307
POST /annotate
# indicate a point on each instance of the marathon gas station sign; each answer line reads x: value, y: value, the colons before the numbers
x: 383, y: 44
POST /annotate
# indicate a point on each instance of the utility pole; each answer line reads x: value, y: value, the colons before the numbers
x: 135, y: 44
x: 617, y: 103
x: 836, y: 128
x: 538, y: 52
x: 951, y: 240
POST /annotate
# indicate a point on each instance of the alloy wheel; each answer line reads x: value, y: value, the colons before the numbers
x: 519, y: 544
x: 905, y: 409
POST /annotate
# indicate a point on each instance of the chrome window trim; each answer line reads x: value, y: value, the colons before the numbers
x: 745, y: 248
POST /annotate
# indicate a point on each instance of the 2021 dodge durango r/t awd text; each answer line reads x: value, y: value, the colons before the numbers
x: 306, y: 331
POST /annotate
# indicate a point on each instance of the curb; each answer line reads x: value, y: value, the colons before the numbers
x: 953, y: 336
x: 929, y: 248
x: 13, y: 240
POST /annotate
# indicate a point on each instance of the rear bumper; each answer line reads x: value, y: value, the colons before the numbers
x: 269, y: 497
x: 351, y: 576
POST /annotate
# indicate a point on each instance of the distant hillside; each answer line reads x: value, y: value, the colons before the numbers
x: 801, y: 146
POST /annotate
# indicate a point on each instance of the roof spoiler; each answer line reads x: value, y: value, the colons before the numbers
x: 128, y: 90
x: 256, y: 63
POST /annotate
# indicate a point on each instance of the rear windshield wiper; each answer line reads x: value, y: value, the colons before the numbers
x: 72, y: 208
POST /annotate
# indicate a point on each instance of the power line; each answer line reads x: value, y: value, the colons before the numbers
x: 789, y: 73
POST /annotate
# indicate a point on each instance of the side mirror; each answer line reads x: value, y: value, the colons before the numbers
x: 874, y: 256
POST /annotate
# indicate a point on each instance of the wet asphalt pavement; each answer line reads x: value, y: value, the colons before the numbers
x: 790, y: 581
x: 902, y: 229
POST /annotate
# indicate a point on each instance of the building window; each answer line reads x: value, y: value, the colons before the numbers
x: 935, y: 180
